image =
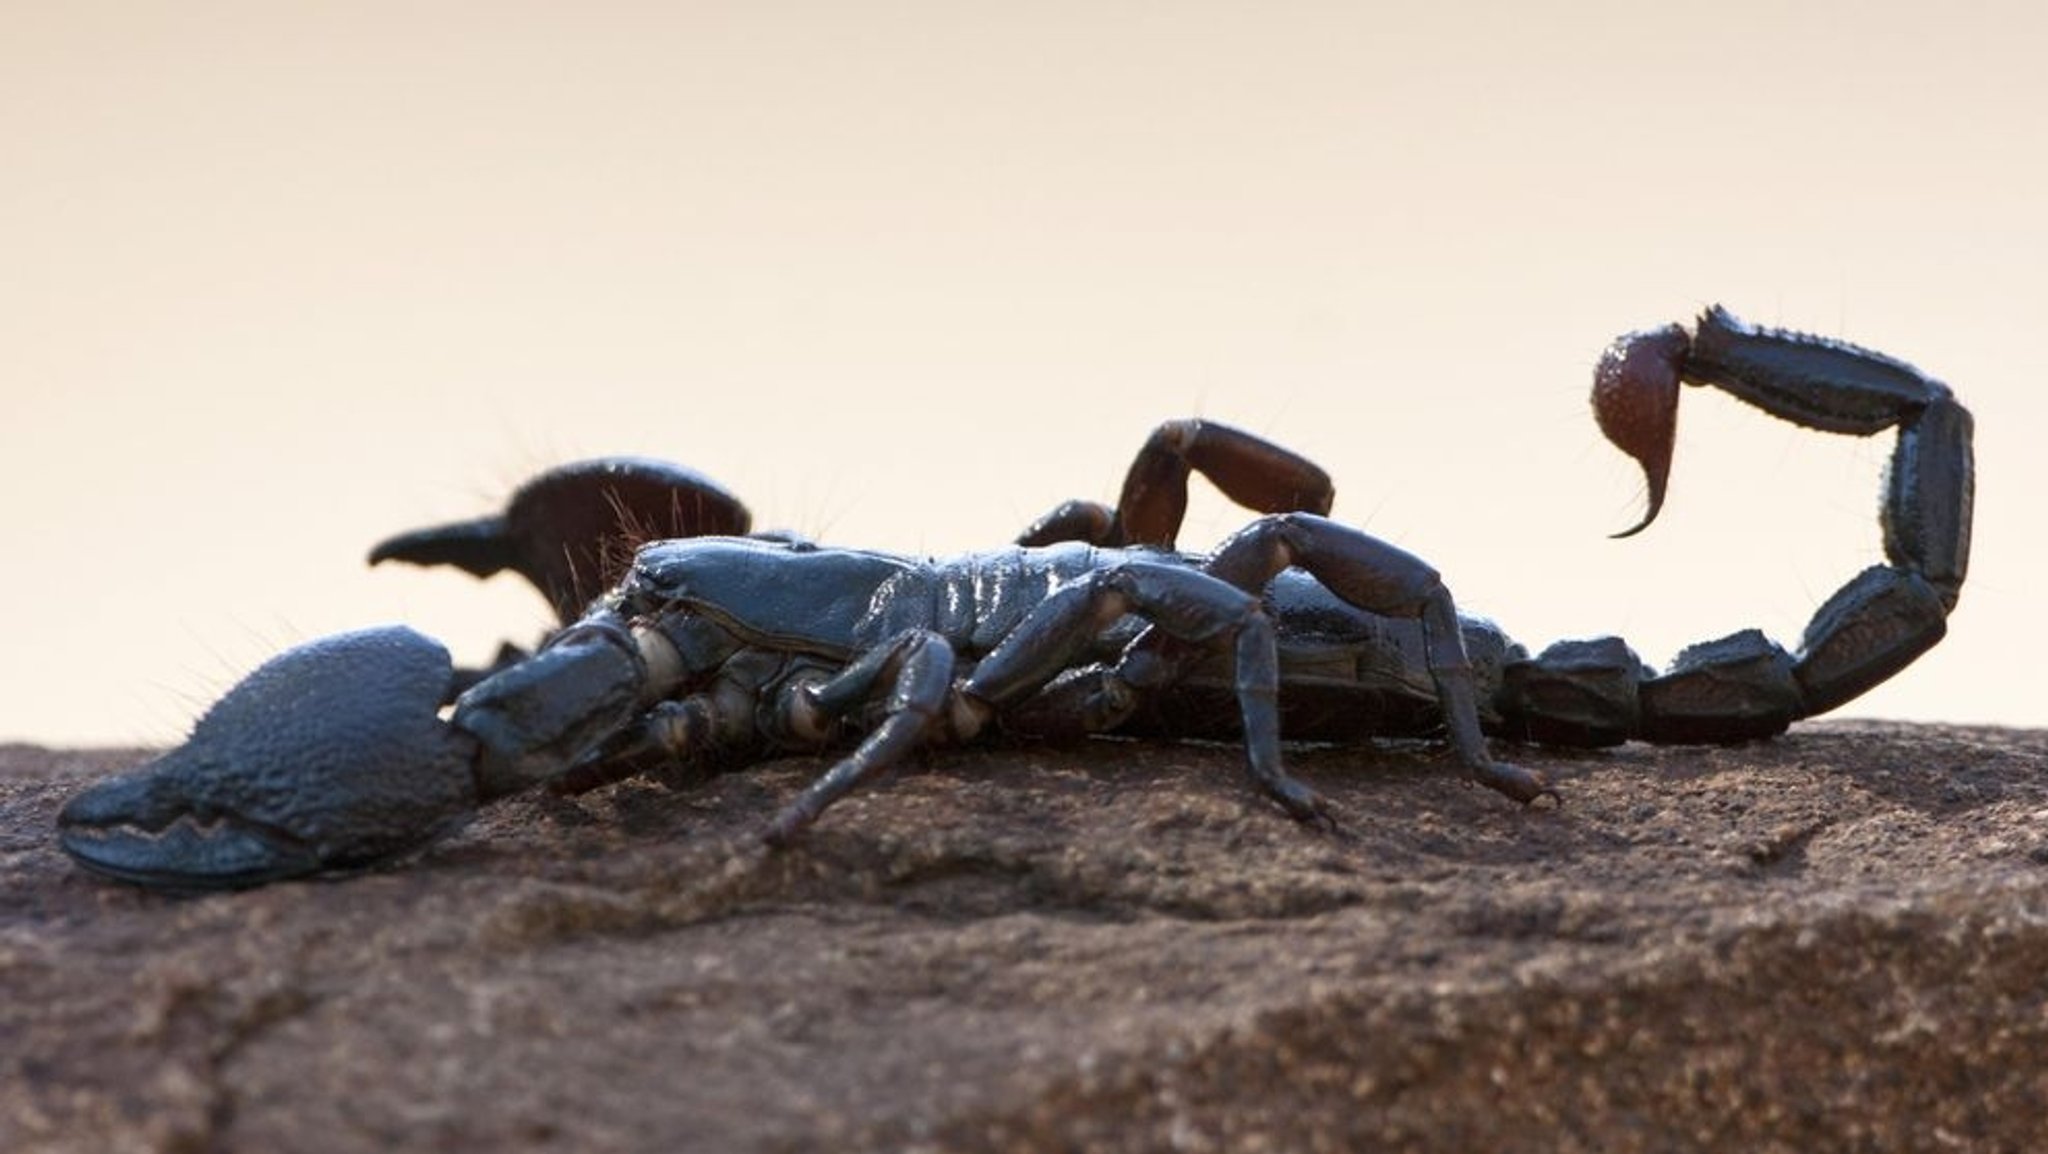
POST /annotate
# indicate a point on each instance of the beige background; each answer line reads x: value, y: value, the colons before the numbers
x: 276, y: 280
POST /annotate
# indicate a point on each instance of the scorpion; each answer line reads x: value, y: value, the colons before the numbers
x: 707, y: 646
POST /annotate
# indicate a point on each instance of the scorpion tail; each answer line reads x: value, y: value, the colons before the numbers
x: 1745, y: 685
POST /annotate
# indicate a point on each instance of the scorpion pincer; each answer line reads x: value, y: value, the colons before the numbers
x: 708, y: 648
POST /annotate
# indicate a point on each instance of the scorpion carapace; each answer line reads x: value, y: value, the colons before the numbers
x: 707, y: 649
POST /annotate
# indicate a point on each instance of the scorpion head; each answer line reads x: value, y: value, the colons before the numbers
x: 328, y: 756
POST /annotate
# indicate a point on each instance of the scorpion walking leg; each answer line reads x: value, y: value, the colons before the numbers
x: 1181, y: 602
x: 1379, y: 578
x: 1251, y: 471
x: 918, y: 669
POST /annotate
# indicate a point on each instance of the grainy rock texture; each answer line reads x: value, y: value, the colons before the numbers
x: 1836, y: 940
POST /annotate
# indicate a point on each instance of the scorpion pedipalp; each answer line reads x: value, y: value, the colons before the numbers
x: 571, y: 530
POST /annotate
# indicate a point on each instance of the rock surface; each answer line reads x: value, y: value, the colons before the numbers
x: 1835, y: 940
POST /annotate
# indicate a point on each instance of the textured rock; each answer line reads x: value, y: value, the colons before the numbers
x: 1835, y: 940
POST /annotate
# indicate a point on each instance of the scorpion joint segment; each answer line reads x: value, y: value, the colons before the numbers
x: 1178, y: 434
x: 966, y: 714
x: 804, y: 717
x: 662, y: 660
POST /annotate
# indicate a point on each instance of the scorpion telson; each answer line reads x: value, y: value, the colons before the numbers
x: 709, y: 648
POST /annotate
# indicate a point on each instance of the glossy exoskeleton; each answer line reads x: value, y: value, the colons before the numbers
x: 708, y: 648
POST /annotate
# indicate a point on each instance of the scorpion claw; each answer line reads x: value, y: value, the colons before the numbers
x: 572, y: 530
x: 1635, y: 399
x: 328, y: 756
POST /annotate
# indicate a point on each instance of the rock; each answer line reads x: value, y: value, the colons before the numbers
x: 1834, y: 940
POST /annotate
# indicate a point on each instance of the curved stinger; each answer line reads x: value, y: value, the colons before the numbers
x: 1746, y: 686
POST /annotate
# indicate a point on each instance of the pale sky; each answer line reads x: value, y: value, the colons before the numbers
x: 278, y: 280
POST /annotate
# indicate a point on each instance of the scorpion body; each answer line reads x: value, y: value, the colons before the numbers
x: 710, y: 648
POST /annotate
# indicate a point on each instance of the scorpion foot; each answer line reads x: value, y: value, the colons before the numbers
x: 1322, y: 817
x: 1523, y: 785
x: 330, y: 755
x: 1303, y: 804
x: 787, y: 827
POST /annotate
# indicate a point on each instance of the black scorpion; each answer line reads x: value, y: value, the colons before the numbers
x: 709, y: 648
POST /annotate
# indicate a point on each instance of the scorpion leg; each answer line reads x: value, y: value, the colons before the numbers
x: 1746, y: 686
x: 917, y: 667
x: 571, y: 531
x: 808, y: 707
x: 1250, y: 470
x: 1183, y: 603
x: 1379, y: 578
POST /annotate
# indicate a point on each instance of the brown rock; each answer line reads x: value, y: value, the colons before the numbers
x: 1835, y: 940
